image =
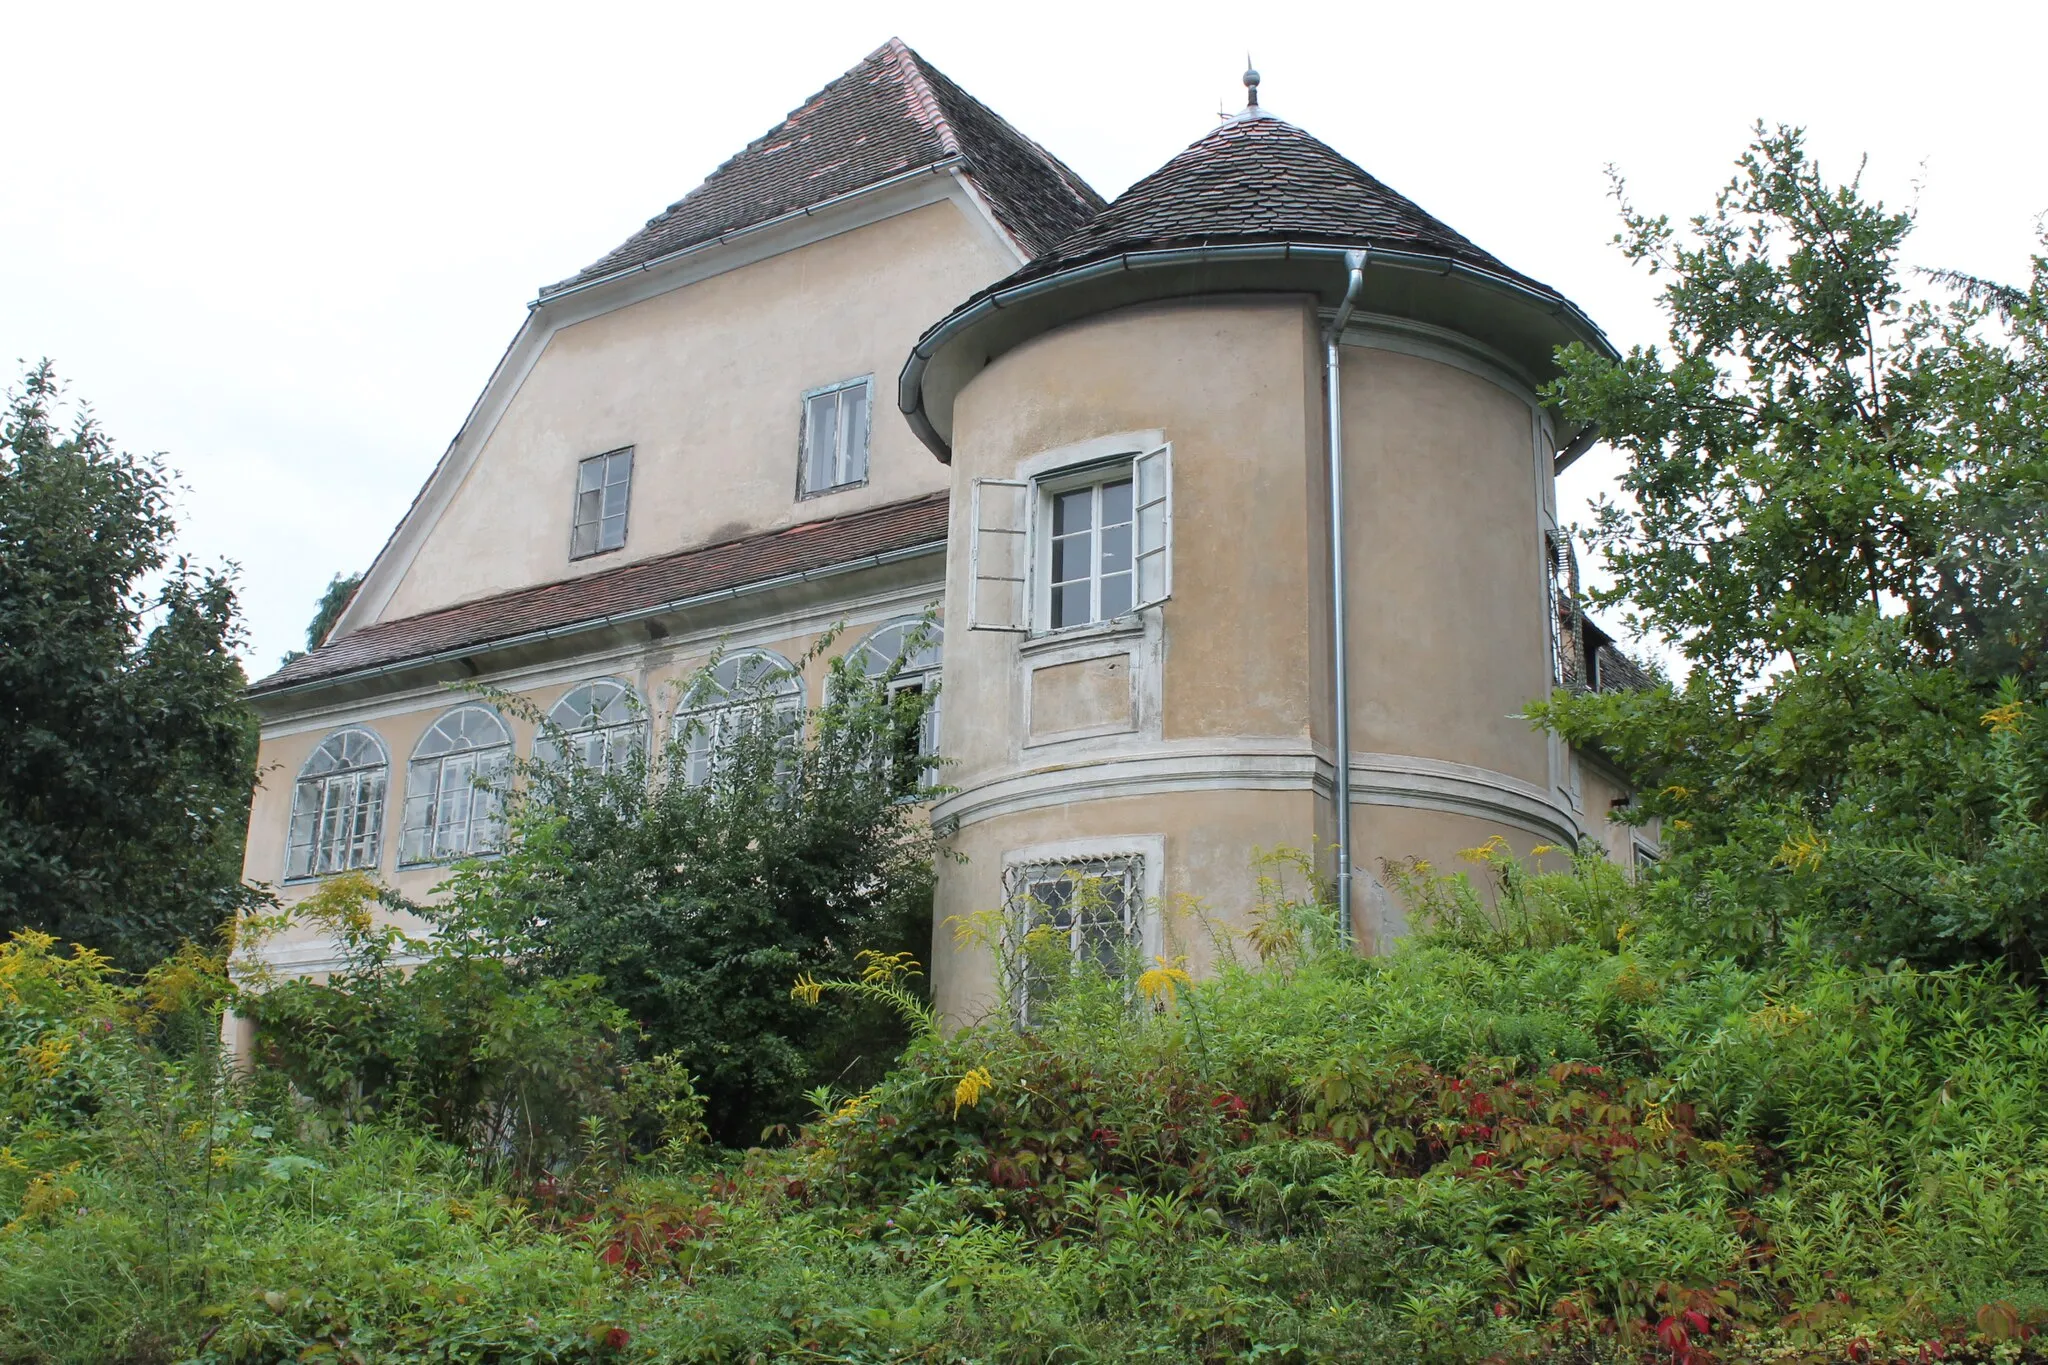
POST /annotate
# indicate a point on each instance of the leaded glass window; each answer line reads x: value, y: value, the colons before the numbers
x: 1064, y: 914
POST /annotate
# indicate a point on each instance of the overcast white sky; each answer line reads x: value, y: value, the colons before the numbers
x: 285, y: 244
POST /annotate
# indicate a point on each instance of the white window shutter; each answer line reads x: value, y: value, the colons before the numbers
x: 1153, y: 472
x: 999, y: 556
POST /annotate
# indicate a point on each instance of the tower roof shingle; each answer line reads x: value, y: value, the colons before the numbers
x: 893, y: 112
x: 1257, y: 178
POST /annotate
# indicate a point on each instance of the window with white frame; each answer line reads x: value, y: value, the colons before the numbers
x: 338, y: 806
x: 599, y: 726
x: 835, y: 438
x: 752, y: 688
x: 604, y: 484
x: 454, y: 788
x: 914, y: 648
x: 1072, y: 547
x: 1066, y: 913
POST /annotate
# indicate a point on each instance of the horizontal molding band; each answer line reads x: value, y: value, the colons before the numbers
x: 1376, y: 780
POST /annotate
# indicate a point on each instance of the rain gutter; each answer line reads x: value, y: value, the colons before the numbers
x: 1340, y: 642
x: 910, y: 384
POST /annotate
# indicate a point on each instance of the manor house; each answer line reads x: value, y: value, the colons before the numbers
x: 1233, y: 496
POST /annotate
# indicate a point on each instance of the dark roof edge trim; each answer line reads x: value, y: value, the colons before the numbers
x: 873, y: 561
x: 549, y: 294
x: 910, y: 384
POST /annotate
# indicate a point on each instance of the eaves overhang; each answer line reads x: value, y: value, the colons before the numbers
x: 719, y: 608
x: 1524, y: 322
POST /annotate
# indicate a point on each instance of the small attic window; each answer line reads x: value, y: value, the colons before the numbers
x: 835, y: 438
x: 603, y: 484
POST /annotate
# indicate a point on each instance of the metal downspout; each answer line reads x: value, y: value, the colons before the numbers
x: 1340, y: 644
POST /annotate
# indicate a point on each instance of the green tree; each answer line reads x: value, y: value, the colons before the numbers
x: 127, y: 756
x: 1834, y: 512
x: 341, y: 590
x: 696, y: 883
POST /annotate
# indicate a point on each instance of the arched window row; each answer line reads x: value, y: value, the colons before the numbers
x: 456, y: 775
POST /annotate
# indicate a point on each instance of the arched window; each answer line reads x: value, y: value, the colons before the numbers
x: 338, y: 806
x: 730, y: 698
x: 454, y: 788
x: 920, y: 644
x: 602, y: 727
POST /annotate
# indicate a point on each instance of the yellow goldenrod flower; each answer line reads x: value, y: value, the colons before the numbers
x: 1486, y: 852
x: 1681, y: 824
x: 1803, y: 853
x: 1676, y: 792
x: 2003, y: 720
x: 808, y: 989
x: 1165, y: 979
x: 967, y: 1094
x: 1541, y: 849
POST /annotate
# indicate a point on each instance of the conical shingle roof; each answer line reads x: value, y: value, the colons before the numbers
x: 892, y: 113
x: 1256, y: 178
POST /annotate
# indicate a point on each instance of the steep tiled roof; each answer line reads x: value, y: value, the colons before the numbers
x: 644, y: 586
x: 893, y: 113
x: 1256, y: 179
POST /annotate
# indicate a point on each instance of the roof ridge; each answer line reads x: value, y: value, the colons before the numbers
x: 919, y: 95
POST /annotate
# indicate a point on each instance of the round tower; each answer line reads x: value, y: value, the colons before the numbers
x: 1147, y: 590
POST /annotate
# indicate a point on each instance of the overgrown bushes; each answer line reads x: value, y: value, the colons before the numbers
x: 1543, y: 1129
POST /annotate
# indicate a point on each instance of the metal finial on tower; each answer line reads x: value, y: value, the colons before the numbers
x: 1251, y: 84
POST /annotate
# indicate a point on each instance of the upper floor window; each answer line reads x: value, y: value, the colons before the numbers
x: 1072, y: 548
x: 753, y: 688
x: 835, y: 438
x: 601, y: 725
x: 603, y: 485
x: 454, y: 788
x: 338, y: 806
x: 915, y: 648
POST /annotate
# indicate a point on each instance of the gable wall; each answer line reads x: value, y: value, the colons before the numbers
x: 705, y: 382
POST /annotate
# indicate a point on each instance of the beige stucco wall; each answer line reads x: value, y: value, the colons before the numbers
x: 1444, y: 487
x: 1445, y: 560
x: 1227, y: 386
x: 705, y: 383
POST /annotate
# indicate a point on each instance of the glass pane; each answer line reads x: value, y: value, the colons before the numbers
x: 1116, y: 502
x: 1070, y: 556
x: 1070, y: 605
x: 619, y: 468
x: 853, y: 427
x: 615, y: 500
x: 821, y: 437
x: 1073, y: 511
x: 1116, y: 548
x: 1151, y: 479
x: 613, y: 534
x: 1152, y: 578
x: 589, y: 505
x: 589, y: 475
x: 1116, y: 595
x: 1151, y: 527
x: 584, y: 542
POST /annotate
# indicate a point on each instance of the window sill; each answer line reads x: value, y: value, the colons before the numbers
x: 828, y: 492
x: 1126, y: 627
x: 315, y: 878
